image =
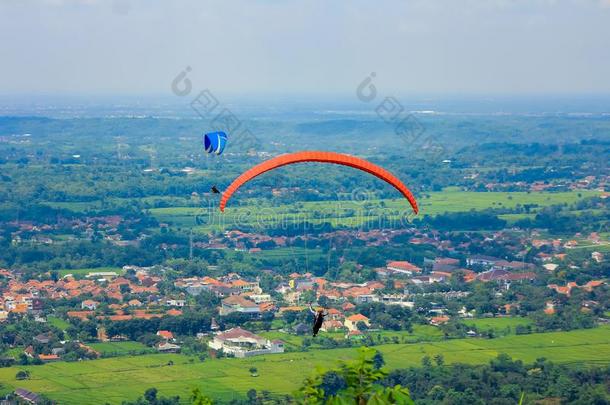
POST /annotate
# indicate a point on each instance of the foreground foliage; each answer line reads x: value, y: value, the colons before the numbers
x: 356, y: 382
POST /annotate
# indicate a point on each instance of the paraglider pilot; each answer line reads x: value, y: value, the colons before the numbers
x: 215, y: 190
x: 318, y: 319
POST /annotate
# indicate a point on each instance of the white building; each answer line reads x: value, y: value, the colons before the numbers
x: 175, y: 303
x: 89, y: 304
x: 260, y: 298
x: 242, y: 343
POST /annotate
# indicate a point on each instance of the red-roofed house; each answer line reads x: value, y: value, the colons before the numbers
x: 237, y: 303
x: 331, y: 326
x: 439, y: 320
x: 335, y: 315
x: 549, y: 308
x: 354, y: 334
x: 565, y: 290
x: 244, y: 285
x: 79, y: 314
x: 403, y: 267
x: 48, y: 357
x: 165, y: 334
x: 291, y: 308
x: 173, y: 312
x: 357, y: 291
x: 120, y: 317
x: 351, y: 322
x: 592, y: 284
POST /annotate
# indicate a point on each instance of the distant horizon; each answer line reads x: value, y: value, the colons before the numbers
x: 311, y: 95
x: 538, y: 103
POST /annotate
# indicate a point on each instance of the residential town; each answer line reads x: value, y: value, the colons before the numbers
x: 121, y: 305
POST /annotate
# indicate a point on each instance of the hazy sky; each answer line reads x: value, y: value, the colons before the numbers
x: 309, y: 46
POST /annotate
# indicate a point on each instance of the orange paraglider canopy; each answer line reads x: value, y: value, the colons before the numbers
x: 323, y: 157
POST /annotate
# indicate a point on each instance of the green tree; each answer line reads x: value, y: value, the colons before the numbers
x: 361, y: 381
x: 308, y: 296
x: 426, y: 362
x: 378, y: 360
x: 23, y: 359
x: 251, y: 395
x: 150, y: 395
x: 197, y: 398
x: 289, y: 316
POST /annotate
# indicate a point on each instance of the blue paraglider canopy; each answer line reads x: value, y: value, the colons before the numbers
x: 214, y: 142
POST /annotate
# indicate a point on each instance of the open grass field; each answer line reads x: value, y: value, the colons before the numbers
x: 292, y: 342
x: 84, y: 272
x: 420, y: 333
x: 58, y: 322
x: 117, y: 379
x: 76, y: 206
x: 120, y: 348
x: 498, y: 325
x: 512, y: 218
x: 353, y: 214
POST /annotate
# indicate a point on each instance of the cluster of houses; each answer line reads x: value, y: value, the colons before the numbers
x: 555, y: 249
x: 135, y: 292
x: 26, y: 297
x: 34, y: 233
x: 245, y: 296
x: 598, y: 183
x: 228, y: 285
x: 443, y: 269
x: 253, y: 242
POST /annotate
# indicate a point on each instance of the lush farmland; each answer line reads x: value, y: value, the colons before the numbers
x: 355, y: 213
x: 342, y: 212
x: 117, y: 379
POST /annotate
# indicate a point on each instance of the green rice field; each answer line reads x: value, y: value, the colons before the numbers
x: 353, y: 214
x: 116, y: 379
